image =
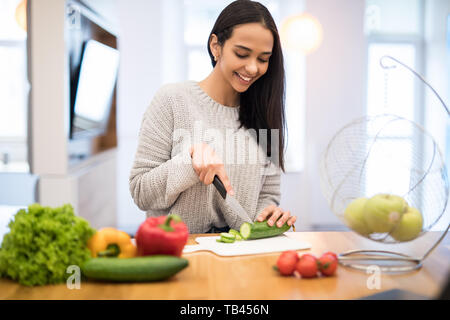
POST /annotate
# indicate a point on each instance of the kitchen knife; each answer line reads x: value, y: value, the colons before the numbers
x: 231, y: 201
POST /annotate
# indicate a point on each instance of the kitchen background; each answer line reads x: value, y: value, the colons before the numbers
x: 332, y: 50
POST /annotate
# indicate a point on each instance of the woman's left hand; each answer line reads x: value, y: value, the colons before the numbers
x: 275, y: 214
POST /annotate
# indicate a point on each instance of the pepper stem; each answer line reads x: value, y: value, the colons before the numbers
x: 166, y: 225
x: 112, y: 250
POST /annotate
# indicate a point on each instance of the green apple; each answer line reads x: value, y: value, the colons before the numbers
x: 409, y: 227
x: 354, y: 217
x: 382, y: 212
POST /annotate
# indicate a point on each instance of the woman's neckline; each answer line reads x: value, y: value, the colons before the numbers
x: 223, y: 109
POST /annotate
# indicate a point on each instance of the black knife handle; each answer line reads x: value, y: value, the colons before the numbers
x: 219, y: 186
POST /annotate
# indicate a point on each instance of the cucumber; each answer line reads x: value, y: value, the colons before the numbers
x: 260, y: 229
x: 138, y: 269
x: 236, y: 233
x: 228, y: 236
x: 225, y: 240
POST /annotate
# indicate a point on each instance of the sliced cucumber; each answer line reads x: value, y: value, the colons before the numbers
x: 232, y: 231
x: 236, y: 233
x: 245, y: 230
x: 229, y: 236
x: 226, y: 240
x: 226, y: 237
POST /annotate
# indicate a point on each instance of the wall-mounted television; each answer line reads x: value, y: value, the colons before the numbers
x: 93, y: 61
x: 94, y: 89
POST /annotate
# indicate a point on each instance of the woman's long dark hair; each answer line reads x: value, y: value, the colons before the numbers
x: 262, y: 105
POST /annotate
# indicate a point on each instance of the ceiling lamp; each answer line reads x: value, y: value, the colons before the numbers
x: 21, y: 14
x: 302, y: 33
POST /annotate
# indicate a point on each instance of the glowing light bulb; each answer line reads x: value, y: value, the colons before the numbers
x: 21, y: 14
x: 301, y: 33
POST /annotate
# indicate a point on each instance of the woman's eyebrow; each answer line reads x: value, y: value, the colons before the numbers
x: 250, y: 50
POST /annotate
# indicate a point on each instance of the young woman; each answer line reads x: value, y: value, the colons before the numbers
x: 185, y: 128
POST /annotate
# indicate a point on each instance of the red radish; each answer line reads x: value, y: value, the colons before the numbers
x: 286, y: 262
x: 307, y: 266
x: 328, y: 264
x: 309, y: 256
x: 332, y: 253
x: 291, y: 253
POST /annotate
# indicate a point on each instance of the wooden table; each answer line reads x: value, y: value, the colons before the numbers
x: 252, y: 277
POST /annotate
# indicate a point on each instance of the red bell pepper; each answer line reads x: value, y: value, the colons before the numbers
x: 162, y: 235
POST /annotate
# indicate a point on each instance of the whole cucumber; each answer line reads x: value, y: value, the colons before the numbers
x: 138, y: 269
x: 260, y: 229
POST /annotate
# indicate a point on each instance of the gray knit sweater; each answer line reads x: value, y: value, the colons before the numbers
x: 162, y: 178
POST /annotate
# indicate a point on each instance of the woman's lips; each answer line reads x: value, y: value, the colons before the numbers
x: 242, y: 79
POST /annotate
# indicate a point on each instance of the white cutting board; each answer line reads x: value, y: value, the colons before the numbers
x: 245, y: 247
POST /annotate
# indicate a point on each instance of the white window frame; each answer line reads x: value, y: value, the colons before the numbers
x: 15, y: 146
x: 417, y: 41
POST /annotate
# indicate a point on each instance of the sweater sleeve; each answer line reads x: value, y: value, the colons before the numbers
x: 270, y: 192
x: 157, y: 179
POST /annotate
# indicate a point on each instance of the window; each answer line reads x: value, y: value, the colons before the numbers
x: 199, y: 18
x: 397, y: 29
x: 198, y: 22
x: 13, y: 90
x: 390, y: 92
x: 394, y: 17
x: 447, y: 129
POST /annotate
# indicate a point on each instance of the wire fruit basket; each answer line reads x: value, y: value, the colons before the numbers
x: 385, y: 178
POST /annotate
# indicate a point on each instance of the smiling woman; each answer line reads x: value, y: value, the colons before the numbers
x: 248, y: 29
x: 241, y: 103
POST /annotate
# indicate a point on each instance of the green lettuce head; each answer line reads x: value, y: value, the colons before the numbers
x: 42, y: 243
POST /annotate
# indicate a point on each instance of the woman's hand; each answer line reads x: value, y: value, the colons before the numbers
x: 207, y: 164
x: 276, y: 214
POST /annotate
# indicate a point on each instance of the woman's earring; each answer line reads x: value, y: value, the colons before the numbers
x: 215, y: 58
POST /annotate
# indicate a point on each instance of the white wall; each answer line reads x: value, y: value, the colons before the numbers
x: 335, y: 95
x: 437, y: 63
x: 49, y: 95
x: 140, y: 75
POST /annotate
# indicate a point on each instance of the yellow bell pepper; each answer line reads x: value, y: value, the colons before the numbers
x: 110, y: 242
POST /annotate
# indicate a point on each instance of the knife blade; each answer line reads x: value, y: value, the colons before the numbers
x: 231, y: 201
